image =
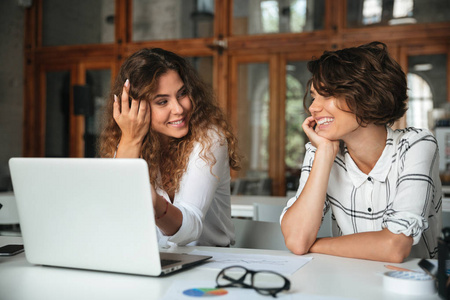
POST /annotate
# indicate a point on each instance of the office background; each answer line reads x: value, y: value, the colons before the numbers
x: 11, y: 84
x: 59, y: 57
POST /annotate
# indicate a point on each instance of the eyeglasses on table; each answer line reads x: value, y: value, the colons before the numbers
x: 266, y: 283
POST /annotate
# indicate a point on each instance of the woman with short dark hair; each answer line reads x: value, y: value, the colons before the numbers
x: 382, y: 185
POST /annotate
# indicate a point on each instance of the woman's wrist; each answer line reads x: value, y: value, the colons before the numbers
x: 319, y: 245
x: 328, y: 150
x: 129, y: 149
x: 131, y: 142
x: 326, y: 153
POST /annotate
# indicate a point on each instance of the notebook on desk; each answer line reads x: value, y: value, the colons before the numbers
x: 90, y: 213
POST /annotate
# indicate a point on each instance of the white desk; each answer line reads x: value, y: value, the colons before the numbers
x: 324, y: 275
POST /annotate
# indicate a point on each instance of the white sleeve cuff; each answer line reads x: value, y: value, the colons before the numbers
x: 191, y: 227
x: 407, y: 223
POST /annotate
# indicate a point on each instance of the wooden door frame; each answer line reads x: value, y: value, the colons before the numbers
x: 41, y: 106
x: 83, y: 67
x: 274, y: 150
x: 284, y: 59
x: 77, y: 72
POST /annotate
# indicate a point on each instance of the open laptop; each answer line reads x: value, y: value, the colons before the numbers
x: 91, y: 213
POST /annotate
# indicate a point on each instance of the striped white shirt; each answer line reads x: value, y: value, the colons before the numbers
x: 402, y: 192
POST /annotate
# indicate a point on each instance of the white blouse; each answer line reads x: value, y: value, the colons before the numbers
x: 204, y: 200
x: 402, y: 192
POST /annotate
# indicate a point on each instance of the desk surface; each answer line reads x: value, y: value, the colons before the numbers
x: 324, y: 275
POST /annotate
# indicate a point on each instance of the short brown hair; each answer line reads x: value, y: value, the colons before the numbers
x: 372, y: 83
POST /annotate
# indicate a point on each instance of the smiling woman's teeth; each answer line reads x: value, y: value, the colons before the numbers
x: 177, y: 122
x: 325, y: 121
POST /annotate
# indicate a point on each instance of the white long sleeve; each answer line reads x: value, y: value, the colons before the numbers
x: 204, y: 199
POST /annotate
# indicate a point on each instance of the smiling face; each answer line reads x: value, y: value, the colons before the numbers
x: 333, y: 117
x: 171, y: 107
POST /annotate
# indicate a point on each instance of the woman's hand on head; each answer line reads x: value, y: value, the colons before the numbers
x: 317, y: 140
x: 134, y: 120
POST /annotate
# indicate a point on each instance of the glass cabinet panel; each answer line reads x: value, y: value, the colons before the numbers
x: 88, y: 100
x: 428, y: 106
x: 277, y: 16
x: 297, y: 76
x: 252, y: 109
x: 362, y: 13
x: 57, y: 114
x: 98, y: 83
x: 172, y: 19
x: 76, y: 22
x: 204, y: 67
x: 427, y: 83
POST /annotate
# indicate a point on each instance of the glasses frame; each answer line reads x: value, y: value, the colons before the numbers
x: 240, y: 282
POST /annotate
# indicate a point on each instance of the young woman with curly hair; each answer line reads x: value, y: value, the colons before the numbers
x: 160, y: 110
x: 382, y: 185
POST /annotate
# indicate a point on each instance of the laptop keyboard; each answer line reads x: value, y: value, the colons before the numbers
x: 166, y: 262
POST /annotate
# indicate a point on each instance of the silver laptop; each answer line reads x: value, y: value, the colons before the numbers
x: 91, y: 213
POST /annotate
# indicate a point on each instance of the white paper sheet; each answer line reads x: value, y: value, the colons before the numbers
x: 286, y: 265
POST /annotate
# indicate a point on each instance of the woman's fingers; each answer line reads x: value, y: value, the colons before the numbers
x: 148, y: 115
x: 132, y: 120
x: 308, y: 125
x: 125, y: 97
x: 116, y: 108
x: 134, y: 109
x: 144, y: 112
x: 316, y: 140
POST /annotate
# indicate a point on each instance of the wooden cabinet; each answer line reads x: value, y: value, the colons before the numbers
x: 224, y: 33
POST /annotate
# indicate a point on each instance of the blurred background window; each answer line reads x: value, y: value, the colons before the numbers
x: 172, y: 19
x: 76, y: 22
x: 362, y: 13
x: 427, y: 90
x: 277, y: 16
x: 297, y: 76
x: 253, y: 129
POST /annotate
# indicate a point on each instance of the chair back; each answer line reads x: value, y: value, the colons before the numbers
x: 258, y: 235
x: 272, y: 212
x: 267, y: 212
x: 326, y: 227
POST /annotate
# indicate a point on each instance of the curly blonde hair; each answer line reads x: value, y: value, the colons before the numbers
x: 143, y: 69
